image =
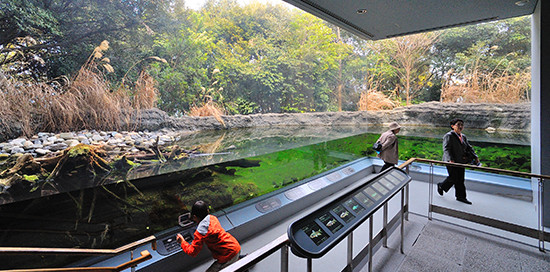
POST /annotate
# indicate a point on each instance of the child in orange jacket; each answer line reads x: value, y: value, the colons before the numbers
x: 224, y: 247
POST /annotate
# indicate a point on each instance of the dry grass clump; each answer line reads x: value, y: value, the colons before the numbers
x: 479, y: 87
x: 146, y: 94
x: 11, y: 108
x: 86, y: 102
x: 207, y: 106
x: 210, y: 108
x: 374, y: 100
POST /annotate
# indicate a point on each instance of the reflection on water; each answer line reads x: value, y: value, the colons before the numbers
x: 478, y: 135
x: 227, y: 145
x: 237, y: 165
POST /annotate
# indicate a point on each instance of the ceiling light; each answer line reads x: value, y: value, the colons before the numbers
x: 361, y: 11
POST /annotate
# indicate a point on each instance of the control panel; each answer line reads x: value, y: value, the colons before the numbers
x: 315, y: 234
x: 168, y: 244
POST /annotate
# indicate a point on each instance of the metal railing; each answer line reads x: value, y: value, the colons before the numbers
x: 82, y: 251
x: 145, y: 255
x: 282, y: 242
x: 538, y: 233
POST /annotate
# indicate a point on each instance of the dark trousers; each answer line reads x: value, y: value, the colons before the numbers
x: 386, y: 166
x: 456, y: 178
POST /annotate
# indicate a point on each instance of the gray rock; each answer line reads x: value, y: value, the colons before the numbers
x: 27, y: 144
x: 16, y: 150
x: 97, y: 138
x: 57, y: 147
x: 18, y: 141
x: 7, y: 147
x: 72, y: 142
x: 66, y: 135
x: 42, y: 152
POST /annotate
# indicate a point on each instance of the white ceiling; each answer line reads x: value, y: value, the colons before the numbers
x: 389, y: 18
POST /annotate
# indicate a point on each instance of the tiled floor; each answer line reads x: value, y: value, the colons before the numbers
x: 440, y: 246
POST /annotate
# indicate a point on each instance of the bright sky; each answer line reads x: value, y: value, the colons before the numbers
x: 196, y: 4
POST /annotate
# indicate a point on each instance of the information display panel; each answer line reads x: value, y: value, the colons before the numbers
x: 367, y: 202
x: 380, y: 188
x: 354, y: 206
x: 330, y: 222
x: 385, y: 181
x: 344, y: 214
x: 372, y: 193
x: 315, y: 234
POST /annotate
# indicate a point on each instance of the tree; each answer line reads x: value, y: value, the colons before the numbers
x: 63, y: 32
x: 409, y: 58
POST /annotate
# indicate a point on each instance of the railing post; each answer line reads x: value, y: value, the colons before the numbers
x: 371, y: 222
x: 350, y: 250
x: 284, y: 258
x: 385, y: 226
x: 541, y: 214
x: 431, y: 192
x: 407, y: 197
x: 402, y: 221
x: 407, y: 202
x: 133, y: 269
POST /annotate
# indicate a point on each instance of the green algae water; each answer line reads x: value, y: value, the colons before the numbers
x: 113, y: 215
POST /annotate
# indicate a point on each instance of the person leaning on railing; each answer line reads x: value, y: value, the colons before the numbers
x: 223, y: 246
x: 456, y: 149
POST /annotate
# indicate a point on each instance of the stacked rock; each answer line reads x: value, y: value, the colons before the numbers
x: 44, y: 143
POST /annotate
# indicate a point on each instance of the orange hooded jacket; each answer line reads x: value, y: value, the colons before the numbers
x: 222, y: 244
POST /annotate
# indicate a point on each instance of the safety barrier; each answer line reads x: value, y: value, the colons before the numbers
x: 538, y: 233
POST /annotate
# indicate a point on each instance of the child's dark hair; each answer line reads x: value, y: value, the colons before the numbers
x: 456, y: 120
x: 200, y: 209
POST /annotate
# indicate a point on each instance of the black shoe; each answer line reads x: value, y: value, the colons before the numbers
x: 464, y: 200
x: 439, y: 189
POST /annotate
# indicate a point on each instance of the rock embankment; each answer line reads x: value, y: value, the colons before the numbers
x: 506, y: 117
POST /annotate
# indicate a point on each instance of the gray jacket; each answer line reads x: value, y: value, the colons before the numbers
x: 390, y: 147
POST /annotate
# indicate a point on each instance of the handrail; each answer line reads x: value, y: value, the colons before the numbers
x: 538, y: 233
x: 145, y: 255
x: 489, y: 169
x: 259, y: 254
x: 283, y: 242
x: 79, y: 251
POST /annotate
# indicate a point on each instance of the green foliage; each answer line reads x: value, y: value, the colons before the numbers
x: 271, y: 58
x: 242, y: 106
x: 26, y: 18
x: 31, y: 178
x: 501, y: 156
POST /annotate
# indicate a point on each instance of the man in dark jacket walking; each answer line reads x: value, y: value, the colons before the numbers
x: 456, y: 149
